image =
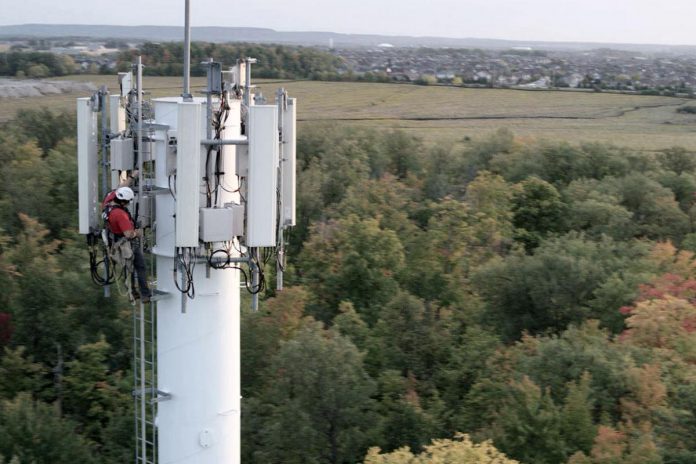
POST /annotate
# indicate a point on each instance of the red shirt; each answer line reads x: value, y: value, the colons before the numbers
x: 120, y: 221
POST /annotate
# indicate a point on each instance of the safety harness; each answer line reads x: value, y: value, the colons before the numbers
x: 118, y: 246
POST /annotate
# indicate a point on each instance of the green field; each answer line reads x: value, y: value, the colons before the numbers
x: 449, y: 114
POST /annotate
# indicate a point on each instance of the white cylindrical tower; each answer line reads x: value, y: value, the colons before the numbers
x: 216, y: 193
x: 198, y: 340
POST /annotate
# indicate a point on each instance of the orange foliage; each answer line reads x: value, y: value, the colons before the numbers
x: 609, y: 445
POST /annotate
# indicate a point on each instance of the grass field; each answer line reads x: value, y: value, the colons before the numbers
x: 448, y: 114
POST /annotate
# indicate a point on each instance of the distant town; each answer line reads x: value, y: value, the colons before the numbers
x: 604, y: 69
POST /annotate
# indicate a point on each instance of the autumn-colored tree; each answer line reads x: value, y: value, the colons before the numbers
x: 622, y: 446
x: 460, y: 450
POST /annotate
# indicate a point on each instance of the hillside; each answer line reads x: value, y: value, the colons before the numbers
x: 315, y: 38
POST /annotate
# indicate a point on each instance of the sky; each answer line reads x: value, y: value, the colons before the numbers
x: 612, y: 21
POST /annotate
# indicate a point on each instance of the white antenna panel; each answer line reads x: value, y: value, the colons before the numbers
x: 87, y: 165
x: 117, y: 115
x: 288, y: 164
x: 188, y: 170
x: 122, y: 154
x: 125, y: 80
x: 262, y: 191
x: 239, y: 74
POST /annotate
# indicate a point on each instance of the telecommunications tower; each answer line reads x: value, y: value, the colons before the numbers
x: 215, y: 192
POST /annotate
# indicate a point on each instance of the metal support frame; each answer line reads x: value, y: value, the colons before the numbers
x: 240, y: 141
x: 254, y: 271
x: 247, y: 84
x: 187, y: 51
x: 282, y: 102
x: 102, y: 95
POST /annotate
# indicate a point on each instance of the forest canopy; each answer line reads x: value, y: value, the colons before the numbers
x: 501, y: 300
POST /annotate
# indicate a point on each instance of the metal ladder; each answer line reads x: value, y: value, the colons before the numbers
x: 145, y: 393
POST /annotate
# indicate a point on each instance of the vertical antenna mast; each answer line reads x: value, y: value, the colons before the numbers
x: 187, y: 51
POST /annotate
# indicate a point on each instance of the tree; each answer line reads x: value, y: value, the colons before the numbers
x: 35, y: 433
x: 678, y: 160
x: 405, y: 421
x: 38, y: 71
x: 560, y: 283
x: 351, y: 260
x: 460, y: 450
x: 407, y: 337
x: 538, y: 211
x: 596, y: 213
x: 528, y: 425
x: 19, y: 374
x: 577, y: 424
x: 654, y: 207
x: 426, y: 79
x: 91, y: 396
x: 318, y: 405
x: 623, y: 446
x: 263, y: 331
x: 38, y: 314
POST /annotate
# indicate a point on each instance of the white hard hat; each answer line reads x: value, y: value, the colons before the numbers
x: 124, y: 193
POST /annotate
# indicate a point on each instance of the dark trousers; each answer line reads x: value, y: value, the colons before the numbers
x: 139, y: 266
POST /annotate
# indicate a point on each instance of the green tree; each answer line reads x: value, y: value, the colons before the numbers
x: 678, y: 160
x: 263, y: 331
x: 577, y: 424
x: 91, y: 396
x: 352, y: 260
x: 528, y: 425
x: 404, y: 419
x: 19, y: 374
x: 562, y: 282
x: 40, y: 318
x: 318, y: 403
x: 35, y: 434
x: 538, y: 211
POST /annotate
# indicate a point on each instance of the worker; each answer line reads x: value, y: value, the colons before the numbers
x: 118, y: 220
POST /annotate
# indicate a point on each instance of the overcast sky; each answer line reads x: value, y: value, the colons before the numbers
x: 625, y: 21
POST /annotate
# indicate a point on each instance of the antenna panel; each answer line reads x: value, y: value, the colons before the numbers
x: 188, y: 169
x: 125, y: 80
x: 262, y: 194
x: 287, y: 198
x: 117, y: 115
x: 122, y: 154
x: 87, y: 166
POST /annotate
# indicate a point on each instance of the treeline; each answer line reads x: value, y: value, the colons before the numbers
x: 535, y: 295
x: 274, y: 61
x: 35, y: 64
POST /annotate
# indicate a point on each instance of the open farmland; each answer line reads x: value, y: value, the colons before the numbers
x: 450, y: 114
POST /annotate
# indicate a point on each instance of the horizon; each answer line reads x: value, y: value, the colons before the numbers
x: 309, y: 31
